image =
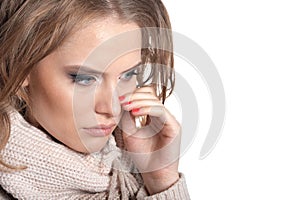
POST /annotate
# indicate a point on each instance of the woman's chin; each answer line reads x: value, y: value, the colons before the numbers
x: 92, y: 145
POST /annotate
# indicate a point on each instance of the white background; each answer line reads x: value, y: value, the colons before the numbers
x: 255, y: 46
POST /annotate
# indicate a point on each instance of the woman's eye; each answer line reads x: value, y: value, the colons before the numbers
x: 128, y: 75
x: 84, y: 80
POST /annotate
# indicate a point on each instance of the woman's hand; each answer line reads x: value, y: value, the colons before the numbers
x: 154, y: 148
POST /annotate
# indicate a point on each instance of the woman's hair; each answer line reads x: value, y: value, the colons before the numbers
x: 32, y: 29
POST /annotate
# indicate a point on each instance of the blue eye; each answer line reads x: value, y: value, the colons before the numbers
x: 84, y: 80
x: 128, y: 75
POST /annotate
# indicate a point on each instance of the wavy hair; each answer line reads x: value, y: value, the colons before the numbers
x: 30, y: 30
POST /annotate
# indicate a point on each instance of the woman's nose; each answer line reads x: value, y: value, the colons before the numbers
x: 106, y: 99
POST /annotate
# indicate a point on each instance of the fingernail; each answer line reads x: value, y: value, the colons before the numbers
x: 135, y: 110
x: 121, y: 98
x: 127, y: 103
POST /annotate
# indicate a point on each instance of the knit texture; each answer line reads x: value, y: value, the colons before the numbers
x: 56, y: 172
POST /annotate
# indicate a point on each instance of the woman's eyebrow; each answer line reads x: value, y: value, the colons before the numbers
x: 131, y: 68
x: 85, y: 69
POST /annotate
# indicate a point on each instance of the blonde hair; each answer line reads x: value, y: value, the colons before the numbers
x: 30, y: 30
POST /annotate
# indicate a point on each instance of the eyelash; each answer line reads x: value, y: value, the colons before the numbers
x: 130, y: 74
x: 79, y: 78
x: 87, y: 80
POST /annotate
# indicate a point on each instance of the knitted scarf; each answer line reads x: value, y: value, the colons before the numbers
x: 56, y: 172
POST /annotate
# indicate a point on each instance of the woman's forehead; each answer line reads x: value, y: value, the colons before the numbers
x: 101, y: 43
x: 101, y: 31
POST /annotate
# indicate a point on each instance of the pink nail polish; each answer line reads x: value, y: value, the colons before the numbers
x: 121, y: 98
x: 136, y: 110
x: 127, y: 103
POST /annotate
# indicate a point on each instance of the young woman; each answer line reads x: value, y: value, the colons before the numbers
x: 77, y: 119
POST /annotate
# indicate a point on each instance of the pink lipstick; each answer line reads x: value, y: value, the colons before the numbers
x: 100, y: 130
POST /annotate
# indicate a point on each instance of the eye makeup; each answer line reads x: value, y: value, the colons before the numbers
x: 126, y: 76
x: 85, y: 76
x: 84, y: 79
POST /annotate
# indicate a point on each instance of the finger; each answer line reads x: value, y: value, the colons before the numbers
x: 129, y: 129
x: 127, y: 124
x: 136, y: 96
x: 148, y: 89
x: 131, y: 105
x: 158, y: 111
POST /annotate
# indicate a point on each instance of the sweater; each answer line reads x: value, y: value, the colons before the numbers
x: 54, y: 171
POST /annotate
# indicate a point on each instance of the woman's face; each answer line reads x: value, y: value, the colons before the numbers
x: 74, y: 91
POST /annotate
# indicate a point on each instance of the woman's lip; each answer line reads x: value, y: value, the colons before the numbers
x: 100, y: 130
x: 104, y: 126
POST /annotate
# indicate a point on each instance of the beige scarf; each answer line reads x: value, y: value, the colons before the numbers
x: 56, y: 172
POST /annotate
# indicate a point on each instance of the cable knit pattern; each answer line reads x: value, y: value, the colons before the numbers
x: 56, y: 172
